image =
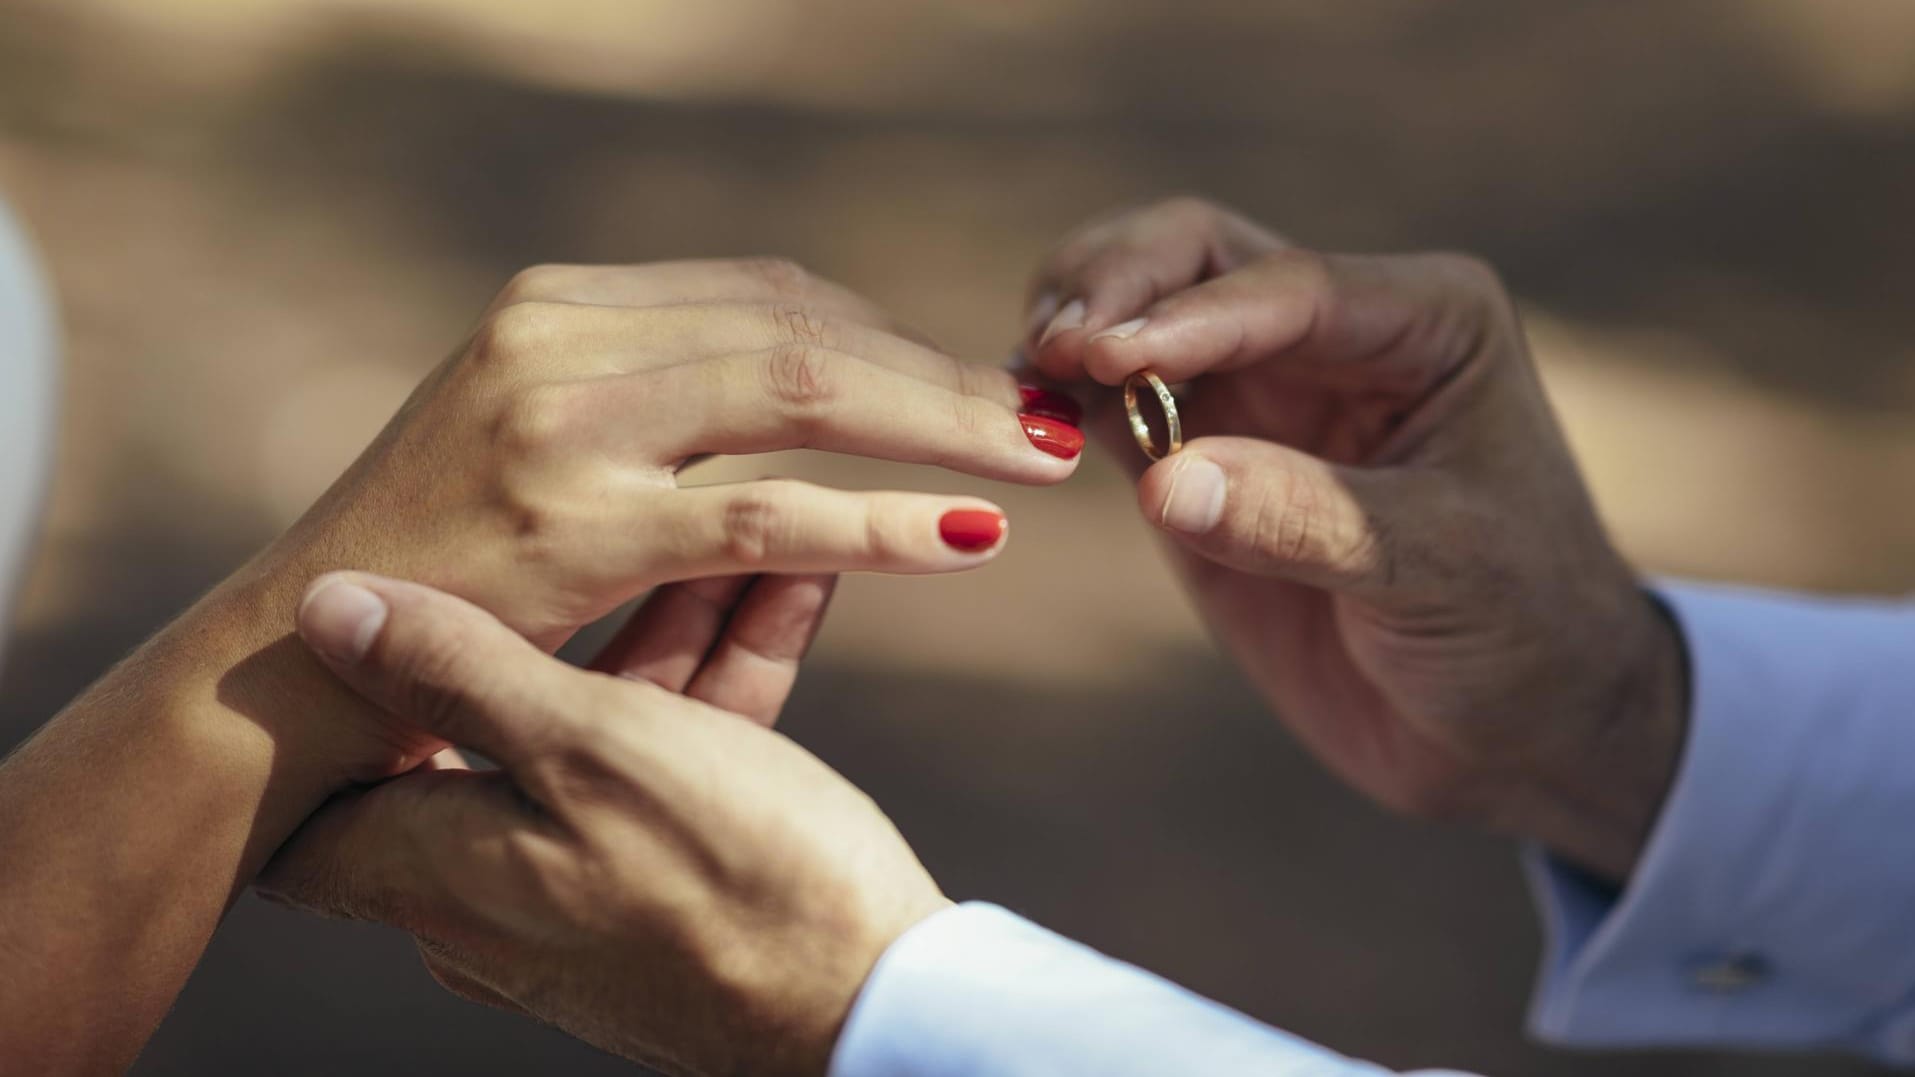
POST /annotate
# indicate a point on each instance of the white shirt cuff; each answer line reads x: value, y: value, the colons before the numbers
x: 975, y: 990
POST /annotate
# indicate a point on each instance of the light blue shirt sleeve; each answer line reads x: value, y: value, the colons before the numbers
x: 1774, y: 905
x: 975, y: 991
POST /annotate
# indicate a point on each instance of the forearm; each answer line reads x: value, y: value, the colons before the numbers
x: 134, y: 818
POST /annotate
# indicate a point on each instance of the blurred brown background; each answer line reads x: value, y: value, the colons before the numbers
x: 266, y: 220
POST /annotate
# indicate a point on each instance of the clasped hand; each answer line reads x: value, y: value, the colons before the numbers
x: 1375, y: 511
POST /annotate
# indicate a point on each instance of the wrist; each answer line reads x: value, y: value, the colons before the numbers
x: 1596, y: 801
x: 796, y: 1027
x: 236, y: 656
x: 134, y: 818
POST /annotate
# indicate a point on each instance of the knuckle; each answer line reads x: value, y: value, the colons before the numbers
x: 1191, y: 210
x: 1306, y: 270
x: 1304, y: 520
x: 967, y: 416
x: 1483, y: 303
x: 1288, y: 525
x: 757, y: 523
x: 782, y: 277
x: 882, y: 526
x: 513, y: 333
x: 975, y: 380
x: 797, y: 323
x: 1283, y: 529
x: 1469, y: 271
x: 1122, y: 269
x: 800, y: 374
x: 535, y: 282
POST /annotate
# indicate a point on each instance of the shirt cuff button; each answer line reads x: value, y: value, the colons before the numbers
x: 1730, y: 973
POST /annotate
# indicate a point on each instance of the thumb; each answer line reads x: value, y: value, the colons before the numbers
x: 1267, y: 509
x: 443, y: 665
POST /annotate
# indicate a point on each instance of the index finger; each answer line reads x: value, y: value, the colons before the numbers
x: 1109, y: 272
x: 705, y: 280
x: 1389, y: 323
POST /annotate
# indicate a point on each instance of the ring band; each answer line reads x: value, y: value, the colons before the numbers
x: 1140, y: 429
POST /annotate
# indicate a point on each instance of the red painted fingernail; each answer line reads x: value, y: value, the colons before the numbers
x: 1051, y: 405
x: 971, y: 530
x: 1057, y: 438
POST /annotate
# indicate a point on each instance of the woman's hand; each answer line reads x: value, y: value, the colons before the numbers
x: 1379, y: 517
x: 653, y: 869
x: 536, y: 472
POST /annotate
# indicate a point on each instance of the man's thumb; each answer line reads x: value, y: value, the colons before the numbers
x: 1261, y: 507
x: 437, y: 662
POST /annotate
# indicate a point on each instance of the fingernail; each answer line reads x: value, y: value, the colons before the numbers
x: 1041, y: 313
x: 1071, y: 317
x: 1122, y: 330
x: 1057, y: 438
x: 340, y: 619
x: 1047, y: 404
x: 971, y: 530
x: 1195, y: 502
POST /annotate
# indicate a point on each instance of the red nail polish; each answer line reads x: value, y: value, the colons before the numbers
x: 1051, y: 405
x: 1057, y: 438
x: 971, y: 530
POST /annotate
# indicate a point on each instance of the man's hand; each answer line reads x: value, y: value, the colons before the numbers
x: 1379, y: 517
x: 650, y: 871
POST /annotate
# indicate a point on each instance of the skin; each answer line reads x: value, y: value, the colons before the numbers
x: 1399, y: 553
x: 673, y: 882
x: 535, y: 473
x: 1402, y: 556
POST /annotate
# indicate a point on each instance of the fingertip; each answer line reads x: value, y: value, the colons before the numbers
x: 1068, y: 319
x: 1184, y: 494
x: 975, y: 530
x: 1058, y: 363
x: 1042, y: 310
x: 1055, y: 438
x: 1109, y: 360
x: 341, y: 617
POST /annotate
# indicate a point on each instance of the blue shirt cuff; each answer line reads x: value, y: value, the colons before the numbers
x: 1772, y: 904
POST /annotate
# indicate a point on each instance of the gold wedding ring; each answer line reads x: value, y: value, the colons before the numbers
x: 1140, y: 429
